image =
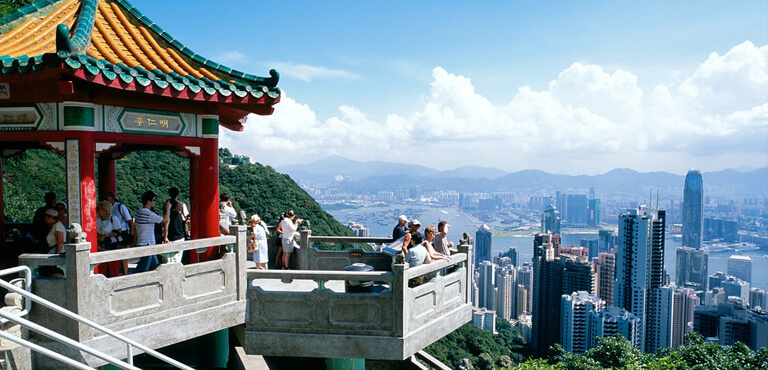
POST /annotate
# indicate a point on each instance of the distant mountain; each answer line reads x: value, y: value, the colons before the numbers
x: 325, y: 170
x: 375, y: 176
x: 473, y: 172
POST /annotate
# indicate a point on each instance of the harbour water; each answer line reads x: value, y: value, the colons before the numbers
x: 381, y: 219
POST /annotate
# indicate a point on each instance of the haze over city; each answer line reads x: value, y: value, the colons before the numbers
x: 566, y: 88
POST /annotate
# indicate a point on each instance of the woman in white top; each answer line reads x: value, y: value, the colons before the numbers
x: 108, y: 231
x: 55, y: 241
x: 429, y: 234
x: 258, y: 238
x: 289, y: 231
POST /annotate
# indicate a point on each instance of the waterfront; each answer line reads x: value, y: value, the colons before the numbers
x: 381, y: 219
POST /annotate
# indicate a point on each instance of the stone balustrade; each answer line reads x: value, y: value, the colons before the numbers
x: 308, y: 313
x: 170, y: 304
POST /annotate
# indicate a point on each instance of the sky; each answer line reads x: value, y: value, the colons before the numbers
x: 565, y: 87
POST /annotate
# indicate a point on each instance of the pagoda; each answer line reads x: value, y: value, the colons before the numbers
x: 97, y: 80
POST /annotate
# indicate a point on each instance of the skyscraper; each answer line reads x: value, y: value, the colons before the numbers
x: 525, y: 279
x: 735, y: 287
x: 740, y: 266
x: 594, y: 212
x: 640, y: 268
x: 486, y: 284
x: 483, y: 244
x: 506, y: 293
x: 550, y: 220
x: 605, y: 275
x: 577, y: 309
x: 693, y: 210
x: 615, y: 321
x: 758, y: 298
x: 553, y: 277
x: 676, y: 313
x: 692, y: 268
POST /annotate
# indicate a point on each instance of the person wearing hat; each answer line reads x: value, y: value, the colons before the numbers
x: 55, y: 241
x: 146, y: 220
x: 441, y: 243
x: 413, y: 231
x: 399, y: 230
x: 258, y: 238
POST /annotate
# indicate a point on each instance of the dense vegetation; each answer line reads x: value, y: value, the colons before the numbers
x: 254, y: 188
x: 482, y: 348
x: 7, y: 6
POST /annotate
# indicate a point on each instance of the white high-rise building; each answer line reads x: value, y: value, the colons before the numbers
x: 486, y: 285
x: 484, y: 319
x: 575, y: 320
x: 735, y: 287
x: 740, y: 266
x: 758, y: 298
x: 640, y: 269
x: 614, y: 321
x: 676, y: 315
x: 506, y: 286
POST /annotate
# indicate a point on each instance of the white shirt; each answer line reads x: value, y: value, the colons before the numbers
x: 51, y: 238
x: 289, y: 228
x: 107, y: 226
x: 123, y: 216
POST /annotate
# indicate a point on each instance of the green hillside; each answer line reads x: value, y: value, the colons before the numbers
x: 254, y: 188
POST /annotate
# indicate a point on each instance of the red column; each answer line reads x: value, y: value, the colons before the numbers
x: 193, y: 183
x: 88, y: 187
x: 107, y: 174
x: 208, y: 183
x: 208, y: 192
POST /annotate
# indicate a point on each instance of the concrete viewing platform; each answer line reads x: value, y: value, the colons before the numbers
x: 318, y: 311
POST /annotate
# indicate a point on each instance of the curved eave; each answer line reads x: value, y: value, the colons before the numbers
x: 261, y: 104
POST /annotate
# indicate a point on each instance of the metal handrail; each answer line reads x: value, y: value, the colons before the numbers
x: 27, y: 285
x: 130, y: 343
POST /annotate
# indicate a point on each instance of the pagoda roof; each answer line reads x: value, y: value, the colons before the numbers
x: 111, y: 43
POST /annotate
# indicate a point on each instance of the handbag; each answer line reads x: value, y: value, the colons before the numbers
x: 253, y: 247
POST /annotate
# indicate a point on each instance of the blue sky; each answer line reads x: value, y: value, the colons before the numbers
x: 567, y: 87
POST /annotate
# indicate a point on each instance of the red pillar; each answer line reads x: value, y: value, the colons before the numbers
x: 107, y: 174
x: 88, y: 188
x: 79, y: 123
x: 208, y: 184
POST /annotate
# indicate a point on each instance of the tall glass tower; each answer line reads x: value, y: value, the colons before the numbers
x: 483, y: 238
x: 693, y: 210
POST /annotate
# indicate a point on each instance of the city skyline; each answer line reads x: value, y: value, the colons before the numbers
x: 658, y: 91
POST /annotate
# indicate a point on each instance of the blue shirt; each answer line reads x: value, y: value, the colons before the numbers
x: 398, y: 232
x: 416, y: 255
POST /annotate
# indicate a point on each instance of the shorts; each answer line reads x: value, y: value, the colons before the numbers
x: 287, y: 245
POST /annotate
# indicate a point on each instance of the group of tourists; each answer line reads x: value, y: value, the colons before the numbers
x: 287, y: 231
x: 417, y: 248
x: 116, y: 228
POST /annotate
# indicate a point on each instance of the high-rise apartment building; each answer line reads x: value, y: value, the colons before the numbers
x: 735, y: 287
x: 676, y: 313
x: 692, y: 268
x: 732, y: 322
x: 577, y: 309
x: 553, y: 277
x: 506, y: 293
x: 758, y: 298
x: 594, y: 212
x: 615, y: 321
x: 740, y: 266
x: 693, y: 210
x: 483, y: 238
x: 525, y: 279
x: 486, y: 285
x: 550, y: 220
x: 513, y: 255
x: 484, y: 319
x: 605, y: 276
x: 640, y: 268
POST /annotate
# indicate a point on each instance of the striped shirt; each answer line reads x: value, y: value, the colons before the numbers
x: 145, y: 226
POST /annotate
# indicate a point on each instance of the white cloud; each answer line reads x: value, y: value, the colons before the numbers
x: 308, y: 73
x: 233, y: 56
x: 588, y: 120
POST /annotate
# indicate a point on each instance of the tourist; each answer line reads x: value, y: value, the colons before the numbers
x: 258, y: 239
x: 399, y: 230
x: 441, y: 243
x: 429, y: 235
x: 145, y: 221
x: 175, y: 230
x: 418, y: 254
x: 290, y: 228
x: 123, y: 219
x: 54, y: 240
x: 279, y: 241
x: 108, y: 234
x: 413, y: 229
x: 40, y: 227
x: 61, y: 207
x: 227, y: 213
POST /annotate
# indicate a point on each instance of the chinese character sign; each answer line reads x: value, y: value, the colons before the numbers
x: 73, y: 180
x: 151, y: 123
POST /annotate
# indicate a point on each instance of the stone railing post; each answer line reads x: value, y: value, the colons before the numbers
x: 241, y: 258
x: 470, y: 271
x: 77, y: 257
x: 401, y: 310
x: 302, y: 255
